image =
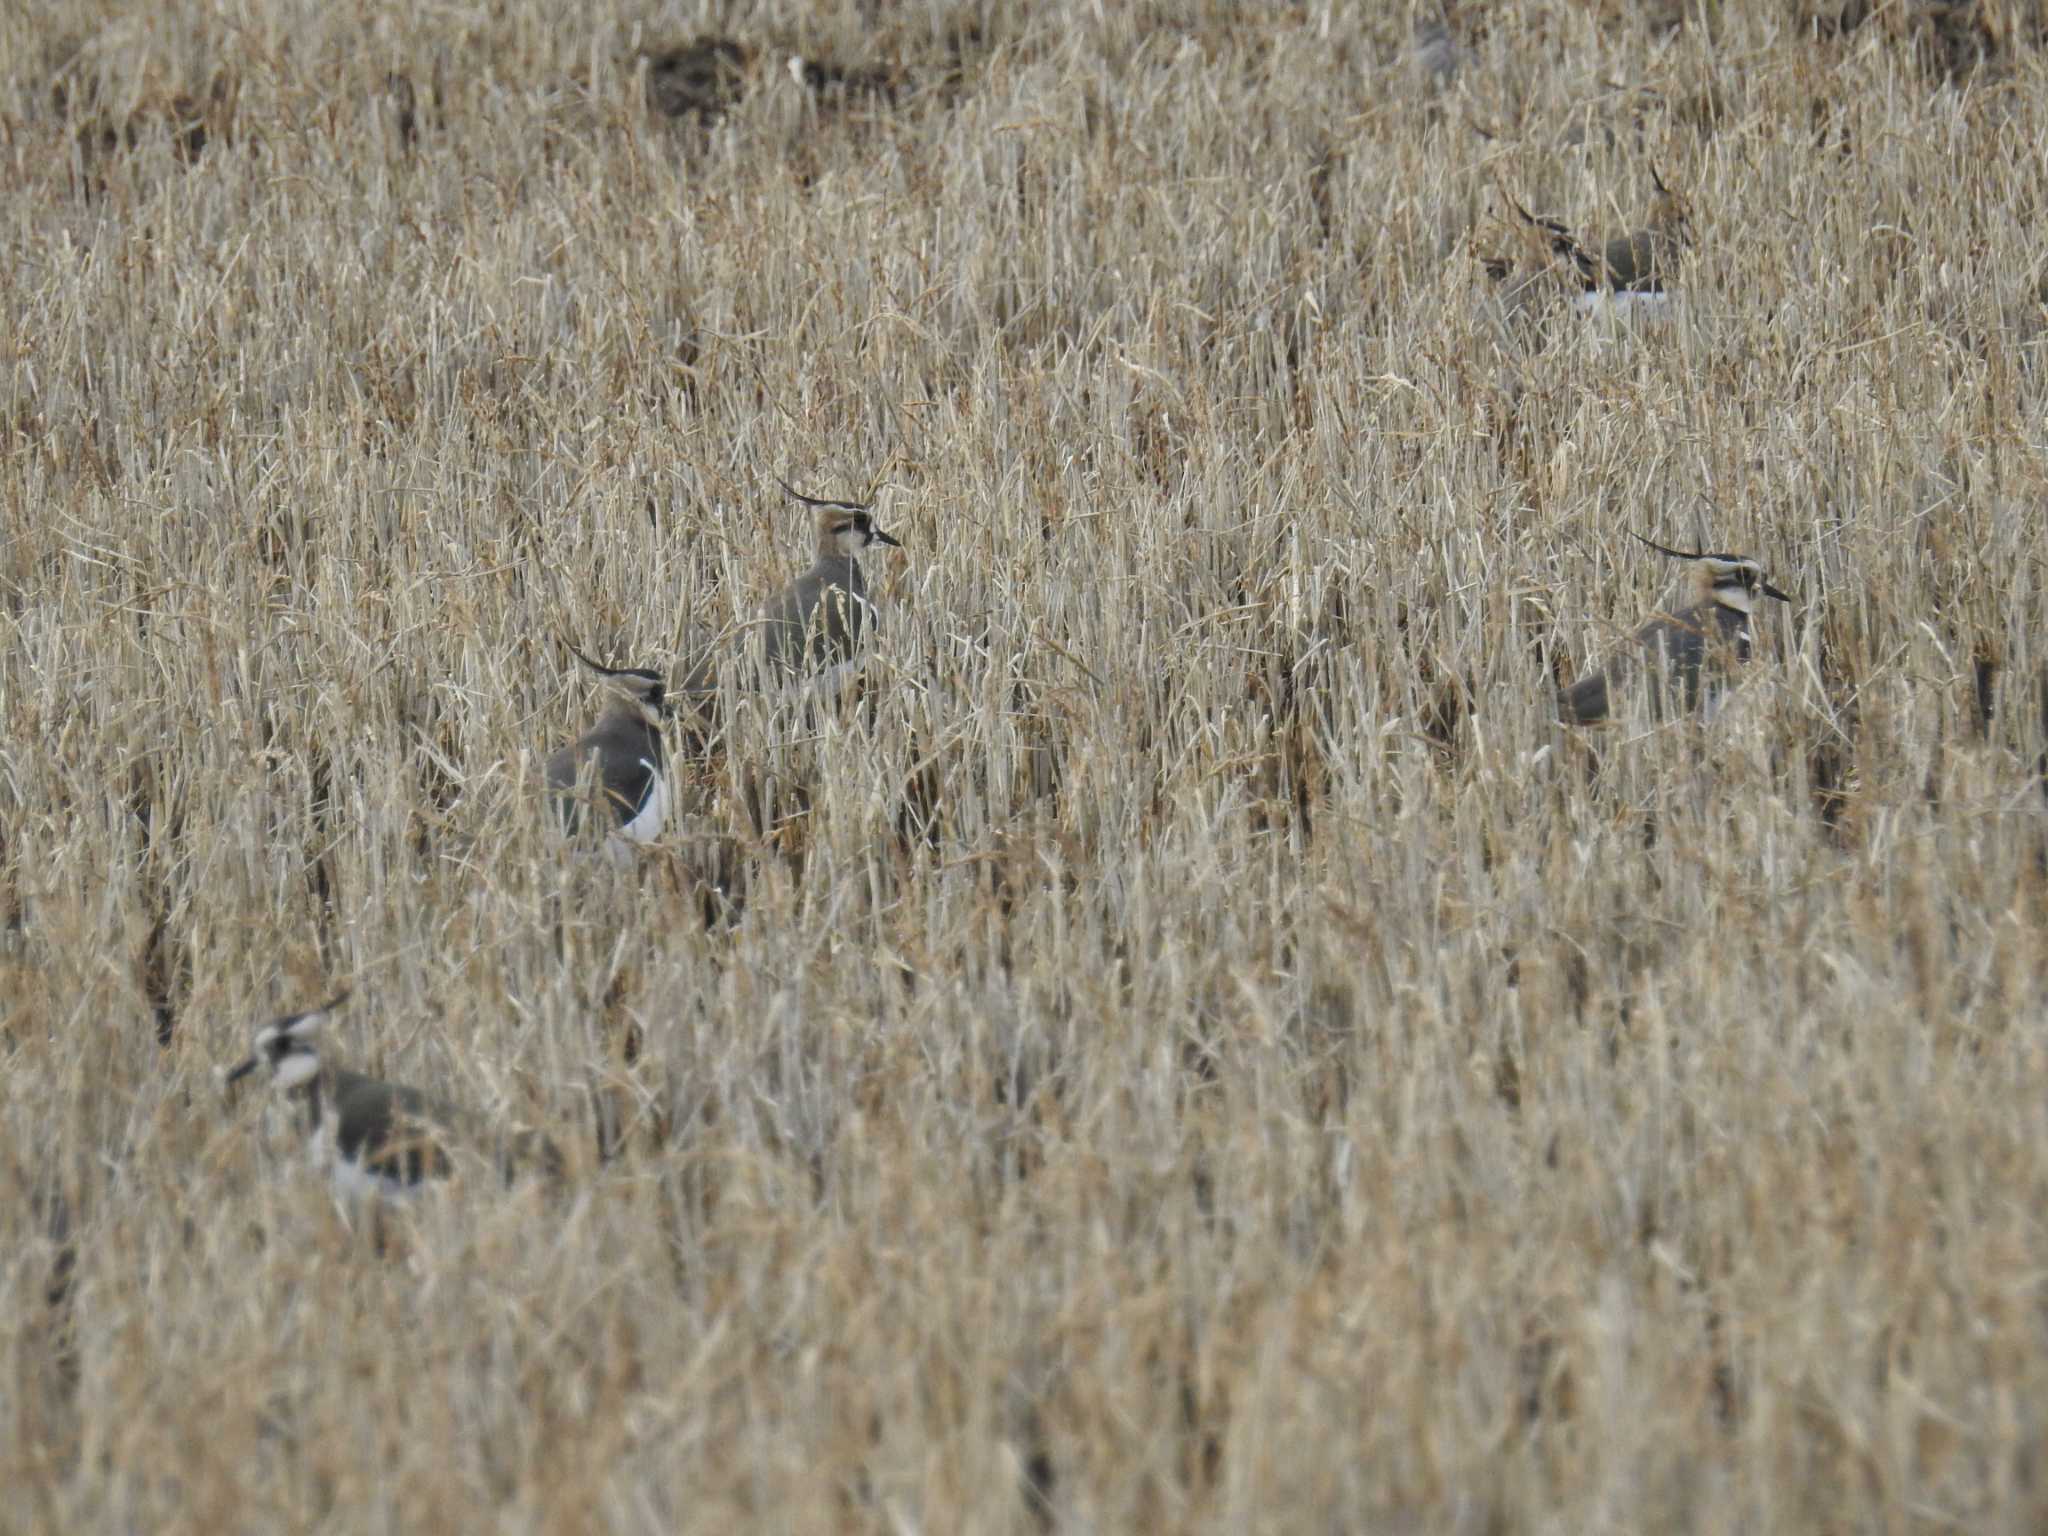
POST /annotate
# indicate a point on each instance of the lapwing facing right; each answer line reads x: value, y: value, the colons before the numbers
x: 1677, y: 649
x: 1639, y: 265
x: 372, y: 1137
x: 624, y: 754
x: 813, y: 630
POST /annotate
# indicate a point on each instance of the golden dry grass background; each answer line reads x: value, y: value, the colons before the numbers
x: 1189, y: 1057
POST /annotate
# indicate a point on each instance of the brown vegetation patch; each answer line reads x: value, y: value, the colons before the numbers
x: 1182, y: 1039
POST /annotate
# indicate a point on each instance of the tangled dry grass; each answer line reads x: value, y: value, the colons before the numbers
x: 1194, y: 1046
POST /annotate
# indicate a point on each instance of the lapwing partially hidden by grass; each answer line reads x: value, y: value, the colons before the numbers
x: 1635, y: 267
x: 1677, y: 651
x: 370, y: 1136
x: 812, y: 632
x: 621, y: 755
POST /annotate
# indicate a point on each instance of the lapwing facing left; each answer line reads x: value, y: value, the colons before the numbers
x: 1640, y: 264
x: 1676, y: 650
x: 624, y: 756
x: 813, y: 630
x: 372, y: 1137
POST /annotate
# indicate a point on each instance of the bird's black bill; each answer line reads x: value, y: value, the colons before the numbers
x: 243, y: 1070
x: 882, y: 538
x: 1770, y: 591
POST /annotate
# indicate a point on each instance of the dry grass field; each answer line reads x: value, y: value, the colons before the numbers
x: 1188, y: 1043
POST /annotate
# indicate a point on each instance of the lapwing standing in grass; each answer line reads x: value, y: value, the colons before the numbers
x: 1634, y: 267
x: 812, y: 631
x: 622, y: 755
x: 372, y: 1137
x: 1677, y: 649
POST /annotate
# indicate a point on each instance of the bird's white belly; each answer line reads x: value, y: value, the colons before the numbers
x: 352, y: 1181
x: 647, y: 823
x: 1620, y: 304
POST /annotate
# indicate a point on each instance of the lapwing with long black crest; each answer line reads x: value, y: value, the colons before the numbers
x: 621, y: 755
x: 1678, y: 654
x: 1638, y: 266
x: 811, y: 634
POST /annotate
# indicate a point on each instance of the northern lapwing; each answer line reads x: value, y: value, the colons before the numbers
x: 812, y: 632
x: 623, y: 754
x: 371, y: 1137
x: 1640, y: 264
x: 1675, y: 650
